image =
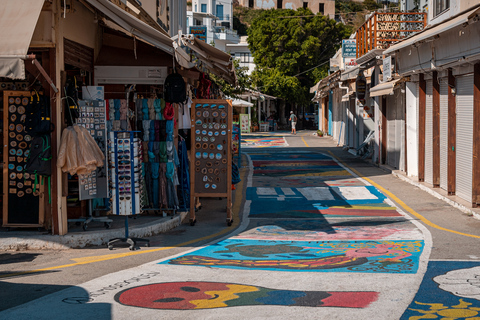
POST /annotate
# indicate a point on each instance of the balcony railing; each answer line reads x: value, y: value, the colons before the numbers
x: 382, y: 30
x: 228, y: 31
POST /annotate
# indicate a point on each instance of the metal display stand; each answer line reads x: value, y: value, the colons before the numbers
x: 211, y: 167
x: 125, y: 135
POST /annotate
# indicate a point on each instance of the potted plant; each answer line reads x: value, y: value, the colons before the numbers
x: 320, y: 133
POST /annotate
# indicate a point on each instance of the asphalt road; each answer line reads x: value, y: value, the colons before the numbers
x: 318, y: 234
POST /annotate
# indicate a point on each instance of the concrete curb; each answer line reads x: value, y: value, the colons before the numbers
x: 93, y: 238
x: 438, y: 196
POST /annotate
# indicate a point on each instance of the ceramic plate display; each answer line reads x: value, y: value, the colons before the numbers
x: 206, y: 114
x: 218, y: 156
x: 219, y: 147
x: 198, y: 155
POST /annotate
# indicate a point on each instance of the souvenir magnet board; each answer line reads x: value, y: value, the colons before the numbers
x: 211, y: 152
x: 22, y: 206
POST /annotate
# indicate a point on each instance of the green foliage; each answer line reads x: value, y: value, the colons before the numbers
x: 371, y: 5
x: 242, y: 19
x: 346, y: 6
x: 243, y: 81
x: 291, y: 50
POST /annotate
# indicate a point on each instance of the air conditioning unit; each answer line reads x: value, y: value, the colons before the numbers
x: 130, y: 75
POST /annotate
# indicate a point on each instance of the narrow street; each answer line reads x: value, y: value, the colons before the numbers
x: 319, y: 235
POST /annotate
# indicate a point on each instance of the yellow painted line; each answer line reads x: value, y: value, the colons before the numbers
x: 303, y: 139
x: 405, y: 206
x: 87, y: 260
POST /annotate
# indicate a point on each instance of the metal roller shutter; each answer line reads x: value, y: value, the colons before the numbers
x: 429, y: 133
x: 400, y: 128
x: 464, y: 137
x: 391, y: 121
x: 444, y: 133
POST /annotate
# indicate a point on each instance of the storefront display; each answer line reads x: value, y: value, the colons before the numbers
x: 92, y: 117
x: 210, y: 171
x: 22, y: 200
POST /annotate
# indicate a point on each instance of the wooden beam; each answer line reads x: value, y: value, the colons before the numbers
x: 476, y: 137
x: 422, y: 99
x: 436, y: 130
x: 383, y: 143
x: 452, y: 132
x: 54, y: 115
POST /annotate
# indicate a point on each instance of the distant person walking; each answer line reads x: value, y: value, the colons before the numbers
x: 293, y: 120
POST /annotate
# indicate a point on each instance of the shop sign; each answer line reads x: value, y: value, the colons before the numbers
x: 367, y: 112
x: 349, y: 48
x: 387, y: 68
x: 350, y: 63
x: 361, y: 86
x: 199, y: 32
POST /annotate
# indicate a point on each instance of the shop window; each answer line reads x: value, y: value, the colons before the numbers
x: 439, y: 6
x: 203, y: 8
x: 279, y: 4
x: 321, y: 8
x: 305, y: 5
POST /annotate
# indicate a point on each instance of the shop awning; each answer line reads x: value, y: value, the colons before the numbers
x: 435, y: 30
x: 133, y: 25
x: 206, y: 56
x: 241, y: 103
x: 383, y: 89
x: 18, y: 19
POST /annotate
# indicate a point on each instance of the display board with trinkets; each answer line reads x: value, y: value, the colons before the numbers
x: 92, y: 116
x: 211, y: 152
x: 22, y: 201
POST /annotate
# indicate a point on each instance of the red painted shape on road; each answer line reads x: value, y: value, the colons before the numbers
x: 350, y: 299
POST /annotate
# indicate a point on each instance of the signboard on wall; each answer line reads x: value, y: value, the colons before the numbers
x: 387, y: 68
x: 244, y: 123
x: 361, y: 86
x: 199, y: 32
x: 349, y: 48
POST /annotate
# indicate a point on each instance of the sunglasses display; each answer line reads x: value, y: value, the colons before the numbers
x: 126, y: 153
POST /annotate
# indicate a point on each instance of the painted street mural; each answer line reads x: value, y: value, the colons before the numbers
x: 263, y: 141
x: 341, y: 256
x: 209, y: 295
x: 449, y: 290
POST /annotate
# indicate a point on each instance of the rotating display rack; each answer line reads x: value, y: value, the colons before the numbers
x: 126, y: 172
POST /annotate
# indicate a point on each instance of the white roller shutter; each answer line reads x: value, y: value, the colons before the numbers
x: 429, y: 133
x: 391, y: 132
x: 400, y: 128
x: 464, y: 137
x: 444, y: 133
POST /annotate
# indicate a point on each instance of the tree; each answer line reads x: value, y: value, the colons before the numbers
x: 243, y: 81
x: 290, y: 47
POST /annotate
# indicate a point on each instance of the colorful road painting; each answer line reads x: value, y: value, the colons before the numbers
x: 318, y: 181
x: 307, y: 256
x: 449, y: 290
x: 263, y: 142
x: 210, y: 295
x: 315, y: 202
x: 333, y: 229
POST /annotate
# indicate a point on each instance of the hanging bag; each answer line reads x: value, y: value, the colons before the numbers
x: 175, y: 89
x: 39, y: 159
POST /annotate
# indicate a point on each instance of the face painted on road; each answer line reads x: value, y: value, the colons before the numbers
x: 182, y: 295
